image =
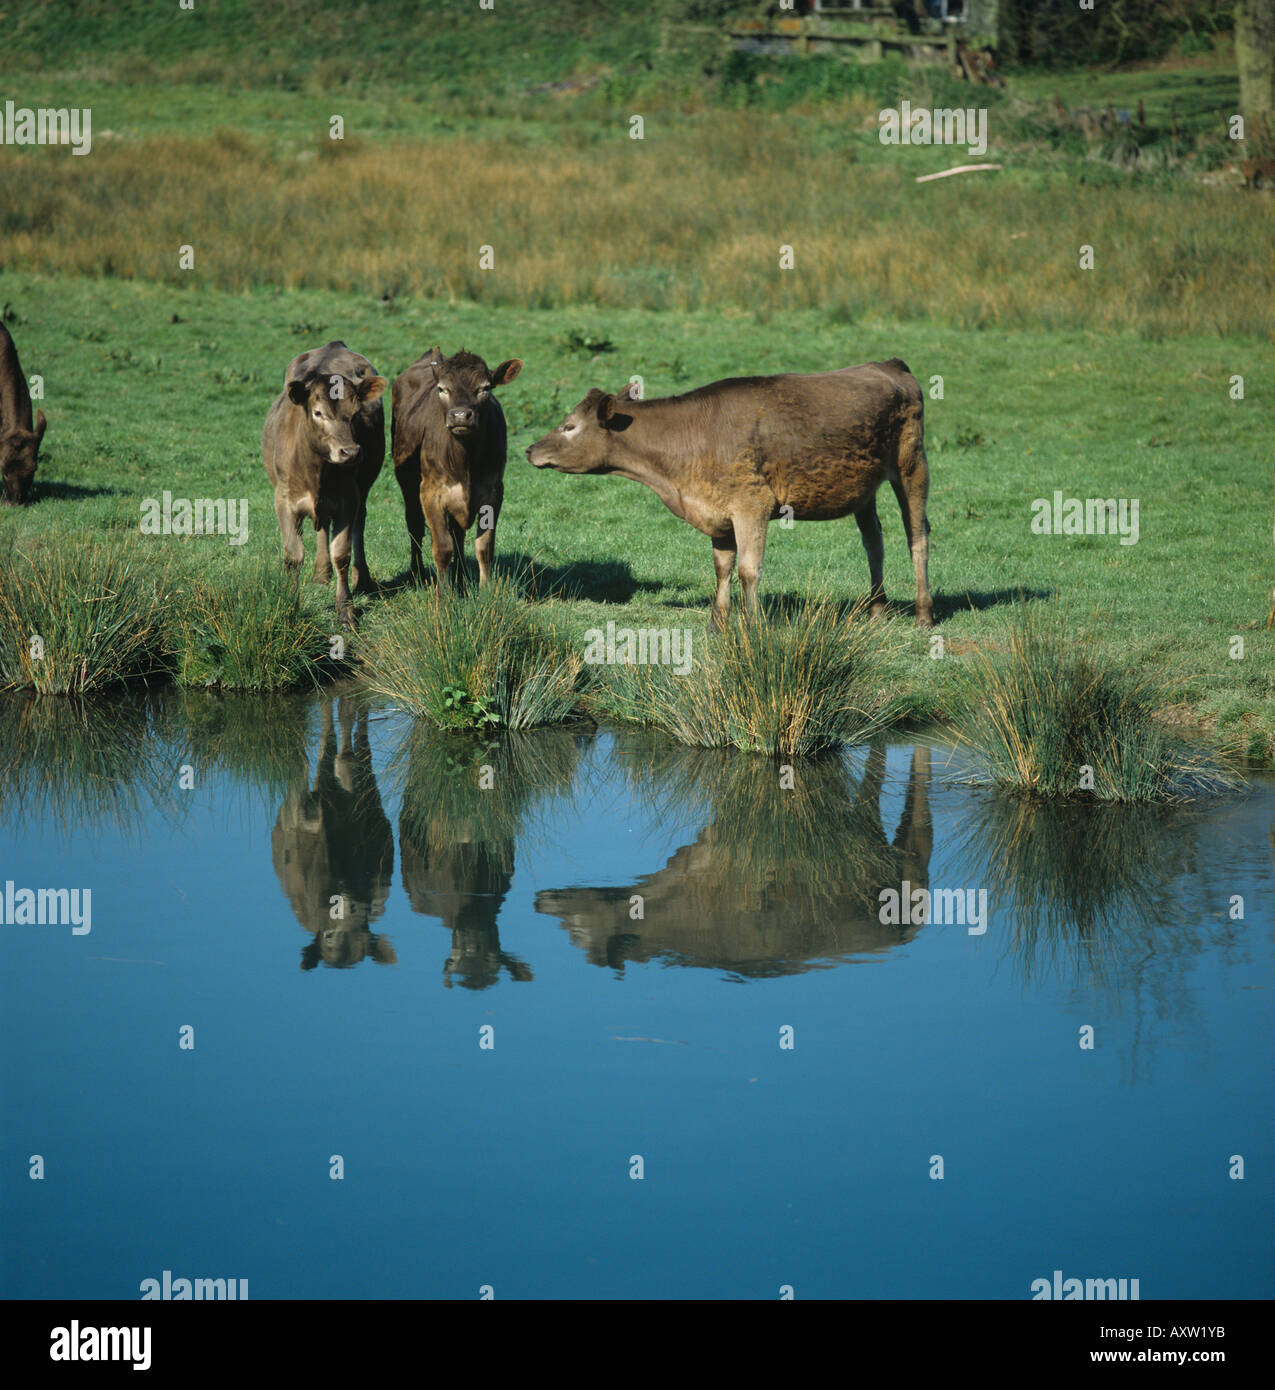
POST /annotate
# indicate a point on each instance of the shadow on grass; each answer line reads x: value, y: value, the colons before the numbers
x: 595, y: 581
x: 978, y: 601
x: 66, y: 492
x: 790, y: 602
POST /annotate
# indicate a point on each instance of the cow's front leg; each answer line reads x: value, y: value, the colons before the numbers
x: 440, y: 536
x: 363, y: 580
x: 750, y: 539
x: 290, y: 530
x: 322, y: 557
x: 723, y: 567
x: 341, y: 533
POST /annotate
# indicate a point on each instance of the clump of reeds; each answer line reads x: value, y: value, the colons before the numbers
x: 483, y: 661
x: 79, y: 615
x: 252, y: 630
x: 1048, y: 716
x: 798, y: 682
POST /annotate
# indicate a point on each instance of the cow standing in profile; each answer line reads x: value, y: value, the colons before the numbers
x: 19, y: 436
x: 448, y: 444
x: 730, y: 457
x: 323, y: 446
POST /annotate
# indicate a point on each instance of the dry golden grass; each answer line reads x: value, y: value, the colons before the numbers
x: 676, y: 221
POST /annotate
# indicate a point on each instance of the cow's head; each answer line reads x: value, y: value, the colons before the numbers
x: 18, y: 451
x: 330, y: 404
x: 584, y: 442
x: 464, y: 384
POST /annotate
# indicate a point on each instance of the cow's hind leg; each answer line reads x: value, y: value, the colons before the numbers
x: 322, y: 557
x: 912, y: 488
x: 459, y: 577
x: 870, y: 530
x: 290, y: 530
x: 723, y: 567
x: 485, y: 545
x: 410, y: 485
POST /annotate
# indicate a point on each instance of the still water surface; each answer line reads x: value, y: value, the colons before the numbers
x: 640, y: 927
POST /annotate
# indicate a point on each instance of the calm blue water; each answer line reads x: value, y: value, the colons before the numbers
x: 512, y: 907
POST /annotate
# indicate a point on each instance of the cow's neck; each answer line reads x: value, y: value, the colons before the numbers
x: 459, y: 456
x: 15, y: 402
x: 635, y: 455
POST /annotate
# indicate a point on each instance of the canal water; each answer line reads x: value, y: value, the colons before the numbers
x: 366, y: 1012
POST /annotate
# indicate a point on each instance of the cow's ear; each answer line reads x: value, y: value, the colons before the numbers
x: 40, y: 423
x: 629, y: 392
x: 370, y: 388
x: 298, y: 392
x: 506, y: 372
x: 605, y: 408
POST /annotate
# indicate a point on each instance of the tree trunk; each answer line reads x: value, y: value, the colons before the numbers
x: 1255, y: 58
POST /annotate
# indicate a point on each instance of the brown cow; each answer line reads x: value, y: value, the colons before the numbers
x: 731, y: 456
x: 19, y: 438
x: 448, y: 443
x: 323, y: 446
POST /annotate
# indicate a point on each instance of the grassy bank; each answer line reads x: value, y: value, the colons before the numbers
x: 1022, y: 415
x: 81, y: 613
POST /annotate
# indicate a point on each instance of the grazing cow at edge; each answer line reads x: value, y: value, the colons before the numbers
x: 323, y: 446
x: 731, y: 456
x: 19, y: 438
x: 448, y: 443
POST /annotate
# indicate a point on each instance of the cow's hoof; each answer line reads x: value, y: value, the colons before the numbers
x: 346, y: 616
x: 878, y: 610
x: 925, y: 620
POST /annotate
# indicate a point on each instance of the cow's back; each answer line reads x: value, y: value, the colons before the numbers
x: 412, y: 400
x: 824, y: 441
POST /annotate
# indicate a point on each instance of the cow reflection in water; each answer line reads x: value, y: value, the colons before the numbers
x: 464, y: 883
x: 778, y: 881
x: 333, y: 847
x: 457, y: 837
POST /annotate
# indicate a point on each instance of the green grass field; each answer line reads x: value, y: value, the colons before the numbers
x: 211, y: 128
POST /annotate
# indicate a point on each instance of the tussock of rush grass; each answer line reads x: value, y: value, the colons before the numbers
x: 111, y: 612
x: 78, y: 614
x: 790, y: 684
x: 481, y: 661
x: 250, y: 632
x: 1044, y: 709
